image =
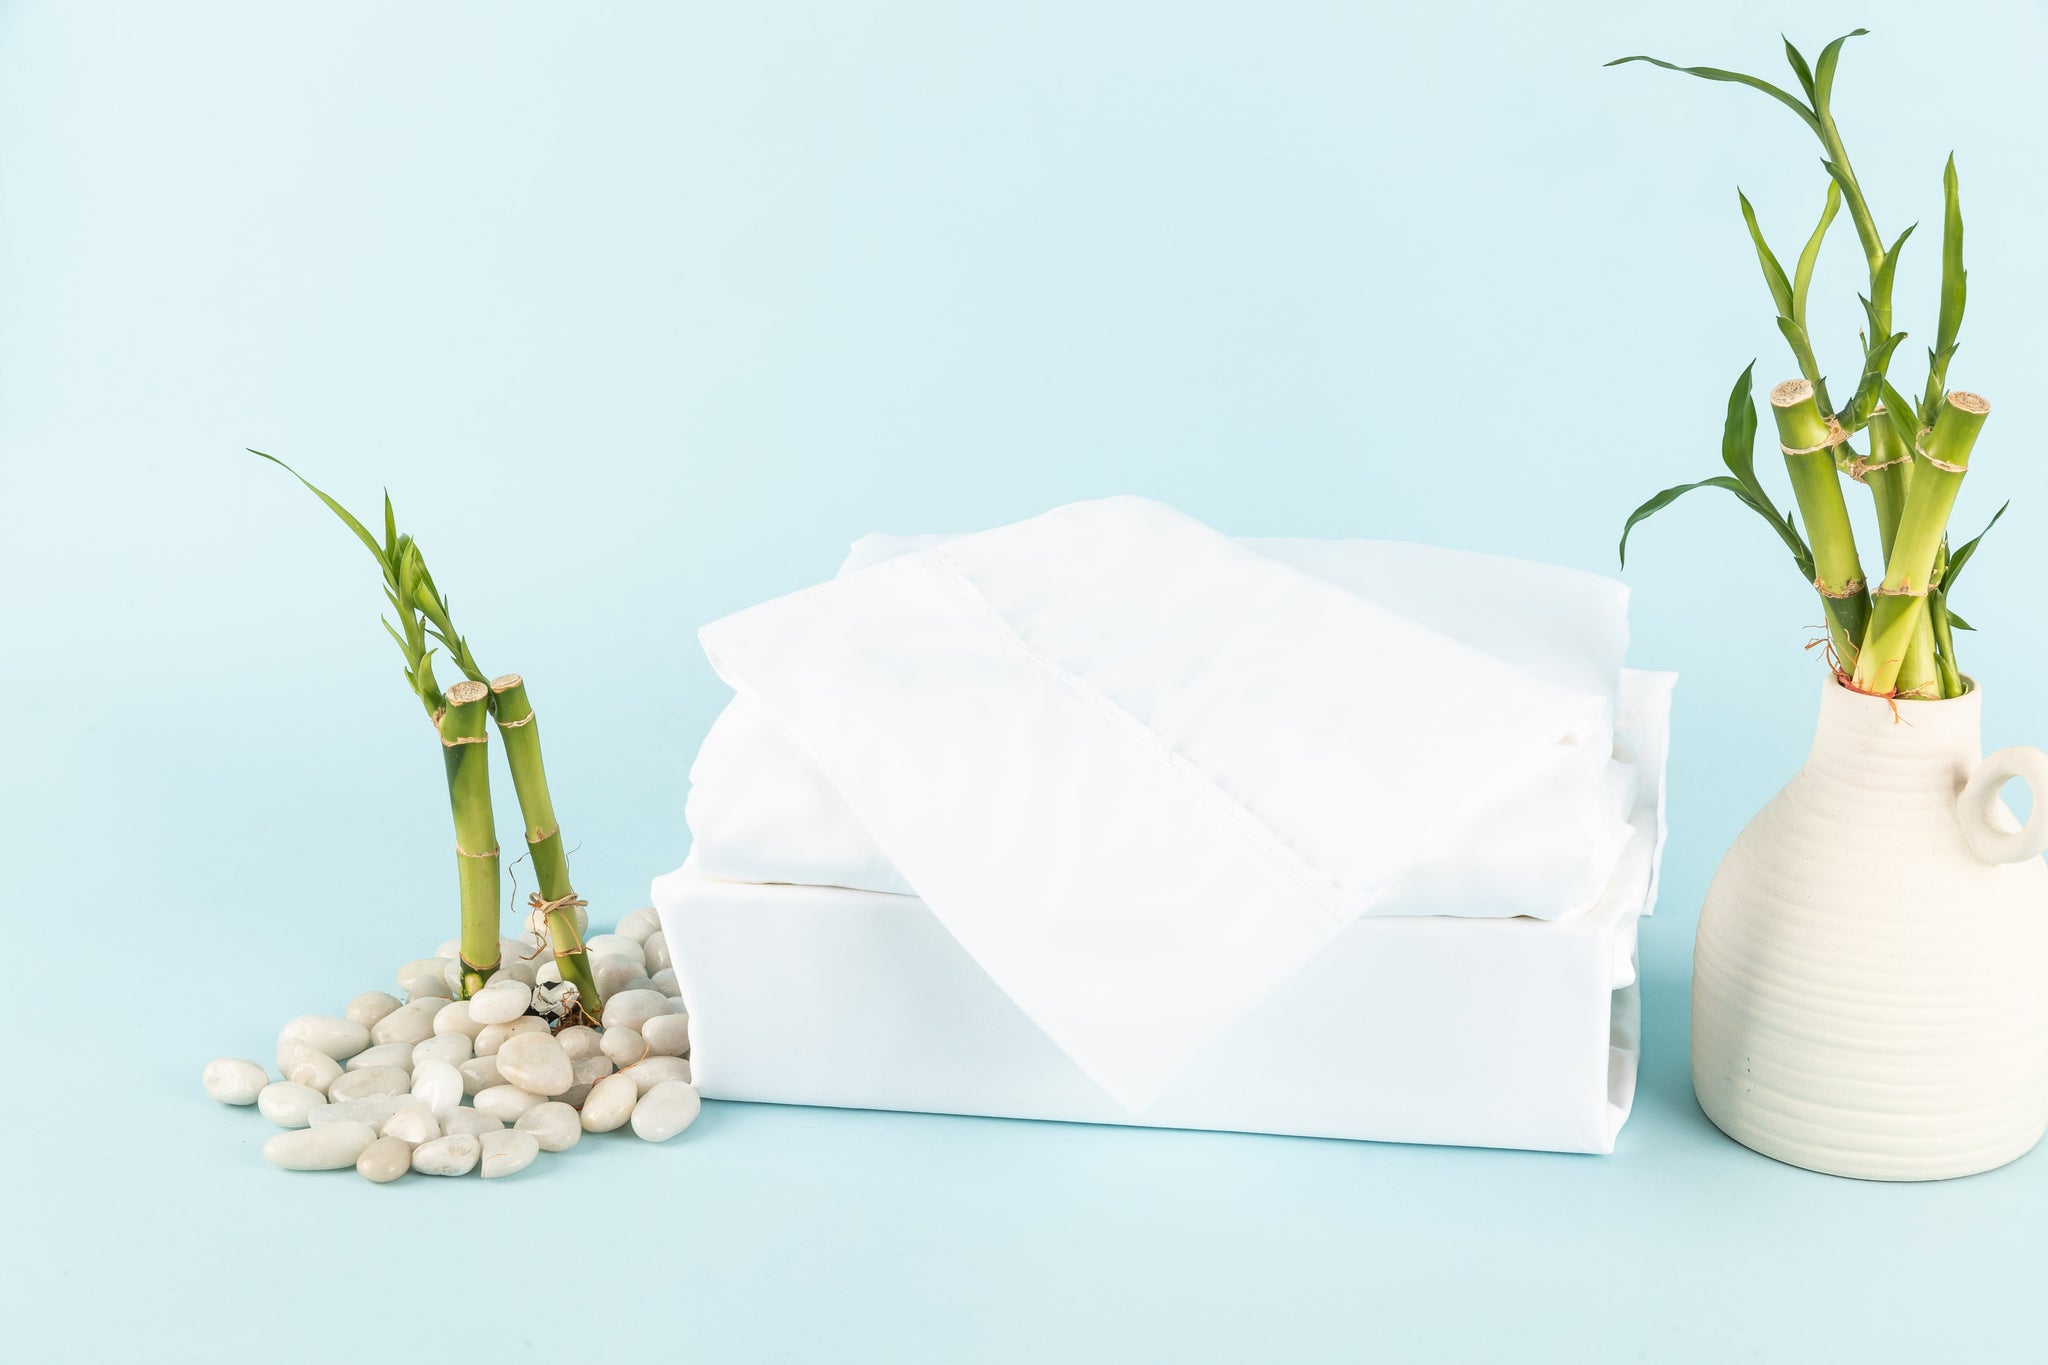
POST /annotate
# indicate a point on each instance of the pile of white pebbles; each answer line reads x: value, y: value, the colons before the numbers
x: 445, y: 1087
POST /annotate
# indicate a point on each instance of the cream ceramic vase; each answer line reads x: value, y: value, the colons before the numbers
x: 1870, y: 981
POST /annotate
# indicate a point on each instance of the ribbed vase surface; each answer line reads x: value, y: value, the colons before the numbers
x: 1870, y: 980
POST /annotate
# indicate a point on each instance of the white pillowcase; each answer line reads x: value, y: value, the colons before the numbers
x: 1140, y: 772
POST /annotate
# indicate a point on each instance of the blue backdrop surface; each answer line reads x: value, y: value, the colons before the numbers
x: 643, y: 312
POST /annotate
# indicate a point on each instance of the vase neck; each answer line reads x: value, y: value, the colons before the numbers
x: 1887, y: 747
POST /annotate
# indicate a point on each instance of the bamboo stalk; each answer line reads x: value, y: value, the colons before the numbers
x: 519, y: 727
x: 465, y: 746
x: 1808, y: 440
x: 1889, y: 474
x: 1944, y: 457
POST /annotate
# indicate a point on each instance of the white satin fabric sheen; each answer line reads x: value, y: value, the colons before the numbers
x: 1141, y: 773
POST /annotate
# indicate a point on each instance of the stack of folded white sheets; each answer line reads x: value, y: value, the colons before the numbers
x: 1107, y: 817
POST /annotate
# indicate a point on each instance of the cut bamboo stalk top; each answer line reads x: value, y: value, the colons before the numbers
x: 1791, y: 393
x: 1969, y: 402
x: 505, y: 682
x: 466, y: 692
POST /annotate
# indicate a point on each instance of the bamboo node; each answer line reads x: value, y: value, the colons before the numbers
x: 1904, y: 592
x: 1854, y: 587
x: 1942, y: 465
x: 526, y: 719
x: 467, y: 854
x: 459, y: 740
x: 1836, y: 435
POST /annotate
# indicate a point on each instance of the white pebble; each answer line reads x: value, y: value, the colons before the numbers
x: 421, y: 974
x: 657, y: 953
x: 339, y: 1038
x: 668, y: 1036
x: 412, y: 1023
x: 375, y: 1080
x: 500, y: 1002
x: 665, y: 982
x: 374, y: 1110
x: 327, y: 1148
x: 451, y: 977
x: 613, y: 973
x: 385, y: 1160
x: 618, y: 945
x: 628, y: 1008
x: 306, y: 1066
x: 609, y: 1104
x: 638, y: 925
x: 454, y: 1121
x: 554, y: 1126
x: 384, y: 1054
x: 452, y: 1048
x: 455, y: 1154
x: 518, y: 969
x: 480, y: 1073
x: 657, y: 1070
x: 437, y: 1085
x: 232, y: 1080
x: 367, y: 1008
x: 507, y: 1152
x: 493, y: 1036
x: 506, y: 1102
x: 665, y: 1111
x: 580, y: 1042
x: 414, y: 1125
x: 450, y: 948
x: 455, y: 1017
x: 588, y: 1072
x: 624, y: 1045
x: 287, y: 1103
x: 536, y: 1062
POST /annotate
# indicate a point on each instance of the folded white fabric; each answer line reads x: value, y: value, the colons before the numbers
x: 761, y: 811
x: 1141, y: 773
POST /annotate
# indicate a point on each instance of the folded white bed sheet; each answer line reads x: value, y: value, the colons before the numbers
x: 1439, y: 1029
x: 760, y: 810
x: 1144, y: 774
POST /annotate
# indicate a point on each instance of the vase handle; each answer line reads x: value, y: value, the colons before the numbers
x: 1986, y: 825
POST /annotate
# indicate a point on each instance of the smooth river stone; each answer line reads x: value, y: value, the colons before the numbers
x: 480, y: 1073
x: 412, y: 1125
x: 665, y: 1111
x: 367, y: 1008
x: 385, y: 1160
x: 518, y: 969
x: 375, y: 1080
x: 455, y: 1154
x: 307, y: 1066
x: 493, y: 1036
x: 500, y: 1002
x: 536, y: 1062
x: 287, y: 1103
x: 618, y: 945
x: 588, y: 1072
x: 456, y: 1018
x: 450, y: 948
x: 554, y: 1126
x: 580, y: 1042
x: 437, y: 1085
x: 414, y: 1023
x: 668, y: 1036
x: 638, y: 925
x: 665, y: 982
x: 628, y: 1009
x: 327, y: 1147
x: 422, y: 975
x: 624, y: 1046
x: 452, y: 1048
x: 609, y: 1104
x: 235, y: 1080
x: 506, y: 1102
x: 374, y: 1110
x: 384, y: 1054
x: 655, y: 1070
x: 507, y: 1152
x: 339, y: 1038
x: 614, y: 973
x: 455, y: 1121
x: 657, y: 953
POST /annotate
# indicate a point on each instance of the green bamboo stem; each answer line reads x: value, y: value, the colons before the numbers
x: 1809, y: 440
x: 1889, y: 474
x: 1901, y: 603
x: 465, y: 745
x: 519, y: 728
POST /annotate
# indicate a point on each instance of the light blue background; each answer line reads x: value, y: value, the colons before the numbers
x: 643, y: 312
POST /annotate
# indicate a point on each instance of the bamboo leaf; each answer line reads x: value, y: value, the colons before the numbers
x: 1901, y: 414
x: 1881, y: 284
x: 1803, y: 274
x: 1709, y: 73
x: 1954, y: 281
x: 1958, y: 623
x: 1800, y: 554
x: 362, y: 533
x: 1774, y: 274
x: 390, y: 525
x: 1824, y: 69
x: 1864, y: 403
x: 1799, y: 66
x: 1960, y: 557
x: 1738, y: 434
